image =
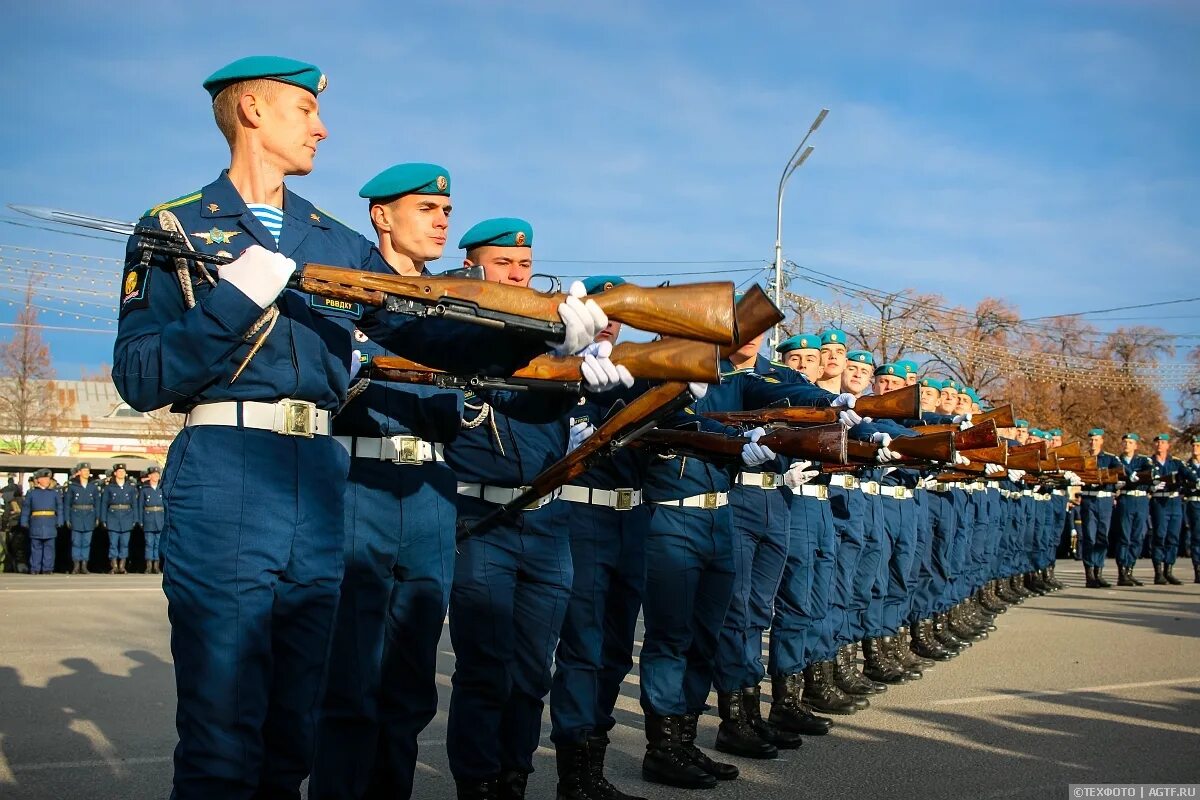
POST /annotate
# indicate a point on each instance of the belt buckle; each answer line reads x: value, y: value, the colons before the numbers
x: 851, y: 482
x: 709, y: 500
x: 768, y: 480
x: 299, y: 418
x: 407, y: 450
x: 624, y: 500
x: 871, y: 487
x: 822, y: 492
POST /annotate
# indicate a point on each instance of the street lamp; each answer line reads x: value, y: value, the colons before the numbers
x: 798, y: 158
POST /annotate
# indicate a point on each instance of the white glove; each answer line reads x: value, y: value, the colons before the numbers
x: 884, y: 455
x: 1016, y: 475
x: 963, y: 421
x: 1072, y: 478
x: 992, y: 469
x: 580, y: 430
x: 259, y: 274
x: 599, y: 373
x: 929, y: 481
x: 755, y: 454
x: 355, y: 363
x: 847, y: 417
x: 583, y: 319
x: 799, y: 474
x: 698, y: 390
x: 1159, y: 486
x: 960, y: 460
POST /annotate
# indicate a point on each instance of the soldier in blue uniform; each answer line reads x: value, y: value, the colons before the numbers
x: 1096, y: 510
x: 1133, y: 505
x: 152, y: 516
x: 254, y: 539
x: 118, y: 514
x: 1166, y: 510
x: 1191, y: 504
x: 511, y: 582
x: 81, y: 504
x: 41, y: 514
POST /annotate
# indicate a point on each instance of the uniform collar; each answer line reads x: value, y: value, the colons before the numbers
x: 220, y: 200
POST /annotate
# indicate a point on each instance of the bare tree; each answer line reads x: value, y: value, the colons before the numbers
x: 29, y: 410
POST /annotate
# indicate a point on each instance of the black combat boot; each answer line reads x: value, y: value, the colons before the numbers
x: 908, y: 659
x: 1005, y: 592
x: 789, y: 712
x: 980, y: 617
x: 1196, y: 569
x: 574, y: 779
x: 1160, y: 579
x: 736, y: 735
x: 511, y: 785
x: 989, y: 602
x: 1169, y: 574
x: 849, y: 679
x: 1123, y: 578
x: 722, y: 772
x: 946, y: 637
x: 601, y: 789
x: 879, y: 667
x: 668, y: 761
x: 822, y: 693
x: 1100, y: 580
x: 767, y: 731
x: 1017, y: 582
x: 1033, y: 585
x: 1132, y: 577
x: 1055, y: 583
x: 1089, y: 577
x: 903, y: 658
x: 478, y: 790
x: 926, y: 646
x: 957, y: 622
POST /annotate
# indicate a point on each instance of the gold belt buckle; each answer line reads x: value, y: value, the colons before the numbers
x: 299, y: 418
x: 408, y: 449
x: 768, y: 480
x: 710, y: 500
x: 624, y: 499
x: 822, y: 492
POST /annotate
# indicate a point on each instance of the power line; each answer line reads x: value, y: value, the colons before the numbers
x: 1117, y: 308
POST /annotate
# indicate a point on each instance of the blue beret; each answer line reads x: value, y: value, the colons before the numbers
x: 272, y: 68
x: 1196, y: 440
x: 861, y: 357
x: 1132, y: 437
x: 1055, y: 432
x: 601, y: 283
x: 931, y: 383
x: 407, y: 179
x: 1021, y: 423
x: 1163, y: 437
x: 801, y: 341
x: 498, y: 232
x: 1037, y: 432
x: 969, y: 392
x: 951, y: 384
x: 1096, y: 432
x: 909, y: 367
x: 890, y: 369
x: 834, y: 336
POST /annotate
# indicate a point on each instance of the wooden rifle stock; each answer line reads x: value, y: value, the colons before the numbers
x: 937, y: 447
x: 699, y: 311
x: 1001, y: 415
x: 988, y: 455
x: 1022, y: 458
x: 1076, y: 463
x: 929, y: 430
x: 901, y: 404
x: 826, y: 443
x: 977, y: 437
x: 1070, y: 450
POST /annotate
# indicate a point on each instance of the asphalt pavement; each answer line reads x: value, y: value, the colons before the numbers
x: 1082, y: 686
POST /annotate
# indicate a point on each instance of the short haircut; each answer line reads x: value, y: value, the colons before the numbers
x: 225, y: 104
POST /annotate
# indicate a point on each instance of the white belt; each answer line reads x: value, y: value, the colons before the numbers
x: 944, y: 486
x: 287, y: 417
x: 618, y: 499
x: 820, y: 491
x: 1166, y: 494
x: 1028, y: 493
x: 763, y: 480
x: 843, y: 481
x: 869, y: 487
x: 1195, y: 499
x: 1095, y: 493
x: 1058, y: 493
x: 709, y: 500
x: 397, y: 449
x: 1135, y: 493
x: 897, y: 492
x: 501, y: 495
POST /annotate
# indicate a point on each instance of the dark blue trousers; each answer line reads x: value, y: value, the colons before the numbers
x: 870, y: 580
x: 922, y: 566
x: 1167, y: 513
x: 1097, y: 517
x: 41, y: 556
x: 900, y: 527
x: 689, y: 583
x: 118, y: 544
x: 511, y: 587
x: 595, y: 653
x: 81, y: 545
x: 1134, y: 513
x: 1191, y: 510
x: 152, y: 542
x: 382, y: 691
x: 849, y: 507
x: 801, y: 632
x: 760, y: 546
x: 943, y: 522
x: 964, y: 527
x: 253, y: 551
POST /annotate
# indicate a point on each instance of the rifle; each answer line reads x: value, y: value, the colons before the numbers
x: 1076, y: 463
x: 825, y: 443
x: 901, y: 404
x: 1023, y: 458
x: 1070, y: 450
x: 987, y: 455
x: 667, y: 359
x: 755, y: 314
x: 1001, y: 415
x: 700, y: 311
x: 938, y: 447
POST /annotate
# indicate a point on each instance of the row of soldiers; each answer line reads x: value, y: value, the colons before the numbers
x: 82, y: 506
x: 324, y: 517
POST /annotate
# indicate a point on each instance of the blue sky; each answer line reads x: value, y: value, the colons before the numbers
x: 1045, y: 152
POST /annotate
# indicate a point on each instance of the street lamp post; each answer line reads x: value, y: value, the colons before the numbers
x: 794, y: 163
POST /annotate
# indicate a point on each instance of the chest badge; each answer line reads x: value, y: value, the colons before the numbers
x: 216, y: 236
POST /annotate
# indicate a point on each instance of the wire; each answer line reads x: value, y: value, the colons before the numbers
x: 1117, y: 308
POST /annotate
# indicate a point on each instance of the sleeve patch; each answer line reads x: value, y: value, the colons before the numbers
x: 134, y: 289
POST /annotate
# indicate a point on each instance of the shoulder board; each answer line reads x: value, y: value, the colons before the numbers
x: 780, y: 364
x: 329, y: 216
x: 178, y: 201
